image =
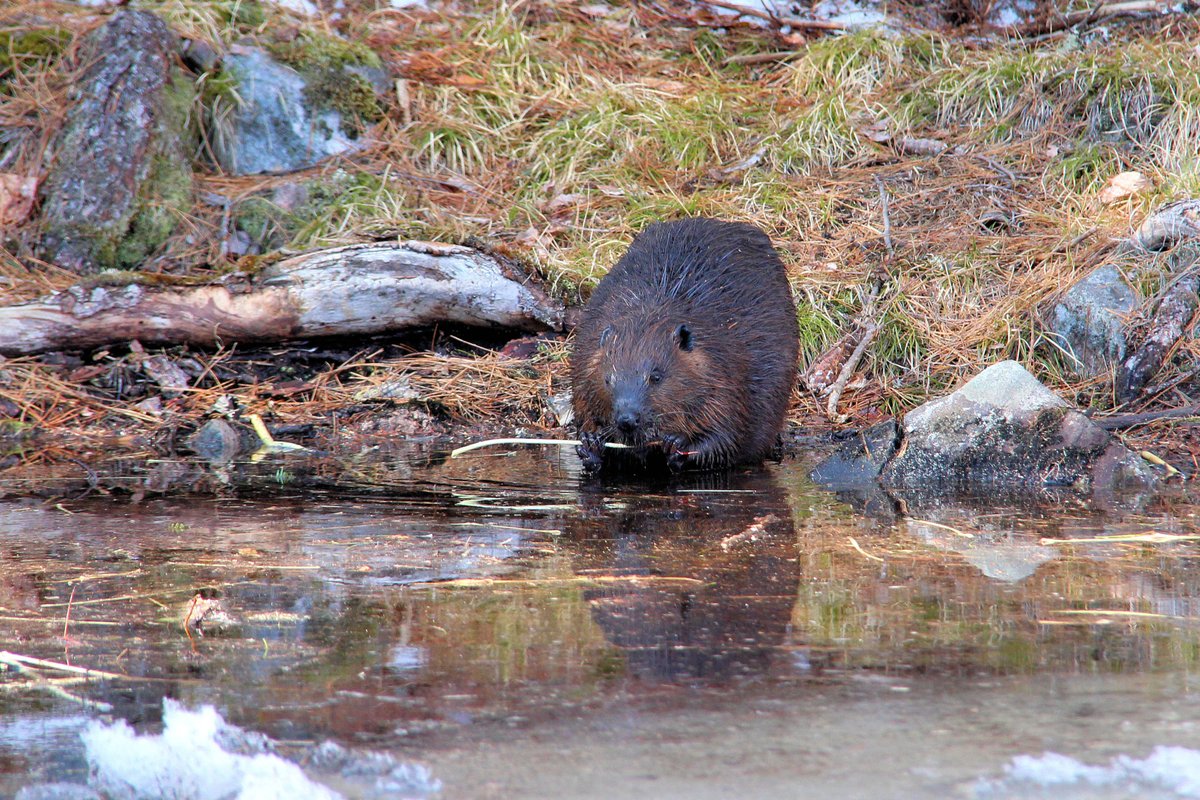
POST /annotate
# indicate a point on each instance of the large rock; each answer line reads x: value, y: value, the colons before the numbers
x: 1004, y: 429
x: 1089, y: 320
x: 273, y: 128
x: 121, y: 176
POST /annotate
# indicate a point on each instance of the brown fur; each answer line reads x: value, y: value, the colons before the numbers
x: 691, y: 339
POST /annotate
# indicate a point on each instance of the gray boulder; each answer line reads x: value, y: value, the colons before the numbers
x: 273, y: 128
x: 1003, y: 435
x: 121, y: 176
x: 1004, y: 429
x: 1089, y: 321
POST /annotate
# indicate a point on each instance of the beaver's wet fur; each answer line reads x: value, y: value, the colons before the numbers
x: 687, y: 350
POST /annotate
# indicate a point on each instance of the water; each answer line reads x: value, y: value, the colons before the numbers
x: 525, y: 635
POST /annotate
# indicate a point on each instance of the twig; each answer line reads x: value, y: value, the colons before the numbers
x: 762, y: 58
x: 20, y: 661
x: 843, y: 378
x: 854, y: 543
x: 478, y: 583
x: 887, y: 217
x: 1088, y: 17
x: 870, y: 327
x: 458, y: 451
x: 1116, y: 422
x: 67, y: 621
x: 779, y: 22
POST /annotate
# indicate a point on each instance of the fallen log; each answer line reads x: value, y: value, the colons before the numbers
x: 358, y: 289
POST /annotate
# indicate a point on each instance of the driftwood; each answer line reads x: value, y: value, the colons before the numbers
x: 1170, y: 225
x: 360, y: 289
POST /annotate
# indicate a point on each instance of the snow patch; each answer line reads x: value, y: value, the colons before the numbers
x: 197, y: 756
x: 305, y: 7
x: 1168, y: 772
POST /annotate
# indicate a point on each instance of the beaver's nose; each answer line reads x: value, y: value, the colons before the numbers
x: 627, y: 422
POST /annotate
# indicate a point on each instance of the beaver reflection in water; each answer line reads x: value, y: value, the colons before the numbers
x: 687, y: 350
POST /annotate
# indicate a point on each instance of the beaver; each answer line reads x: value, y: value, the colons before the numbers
x: 686, y: 350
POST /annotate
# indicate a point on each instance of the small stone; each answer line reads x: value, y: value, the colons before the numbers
x: 858, y: 462
x: 217, y: 442
x: 199, y: 55
x: 290, y: 196
x: 167, y: 374
x: 151, y: 405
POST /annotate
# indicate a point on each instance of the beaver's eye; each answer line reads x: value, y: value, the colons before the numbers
x: 654, y: 377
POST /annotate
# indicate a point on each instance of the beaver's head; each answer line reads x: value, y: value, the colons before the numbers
x: 642, y: 373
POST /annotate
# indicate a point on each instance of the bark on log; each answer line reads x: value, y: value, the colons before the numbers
x: 360, y: 289
x: 1170, y: 321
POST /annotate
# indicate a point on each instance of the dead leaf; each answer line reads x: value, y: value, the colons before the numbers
x: 665, y: 85
x: 16, y: 198
x: 596, y: 10
x: 1126, y: 184
x: 877, y: 131
x: 562, y: 202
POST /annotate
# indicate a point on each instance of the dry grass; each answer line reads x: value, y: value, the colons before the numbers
x: 558, y: 131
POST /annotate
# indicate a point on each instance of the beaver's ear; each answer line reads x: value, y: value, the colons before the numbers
x: 683, y: 337
x: 605, y: 335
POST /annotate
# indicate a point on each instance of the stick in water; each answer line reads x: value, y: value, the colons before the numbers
x: 458, y: 451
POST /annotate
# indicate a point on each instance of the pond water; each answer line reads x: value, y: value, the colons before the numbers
x: 520, y: 634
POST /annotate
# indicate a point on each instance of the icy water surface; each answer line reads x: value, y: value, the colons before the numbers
x: 521, y: 635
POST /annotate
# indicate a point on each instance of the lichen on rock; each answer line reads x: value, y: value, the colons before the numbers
x: 275, y: 126
x: 120, y: 177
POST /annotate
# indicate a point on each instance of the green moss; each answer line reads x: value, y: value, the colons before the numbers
x: 26, y: 51
x: 338, y: 203
x: 166, y: 193
x: 311, y: 51
x: 708, y: 47
x: 1085, y: 169
x: 328, y: 64
x: 244, y: 13
x: 821, y: 135
x: 264, y: 222
x: 349, y: 94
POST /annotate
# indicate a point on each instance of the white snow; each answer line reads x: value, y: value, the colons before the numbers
x: 1166, y: 772
x: 305, y: 7
x: 194, y: 758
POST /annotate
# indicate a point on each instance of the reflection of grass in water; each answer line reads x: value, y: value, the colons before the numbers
x: 929, y: 609
x: 543, y: 634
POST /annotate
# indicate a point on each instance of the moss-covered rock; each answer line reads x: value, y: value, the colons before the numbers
x: 341, y: 75
x: 121, y: 177
x: 275, y: 126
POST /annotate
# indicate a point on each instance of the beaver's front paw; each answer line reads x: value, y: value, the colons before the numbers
x: 677, y: 450
x: 591, y: 451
